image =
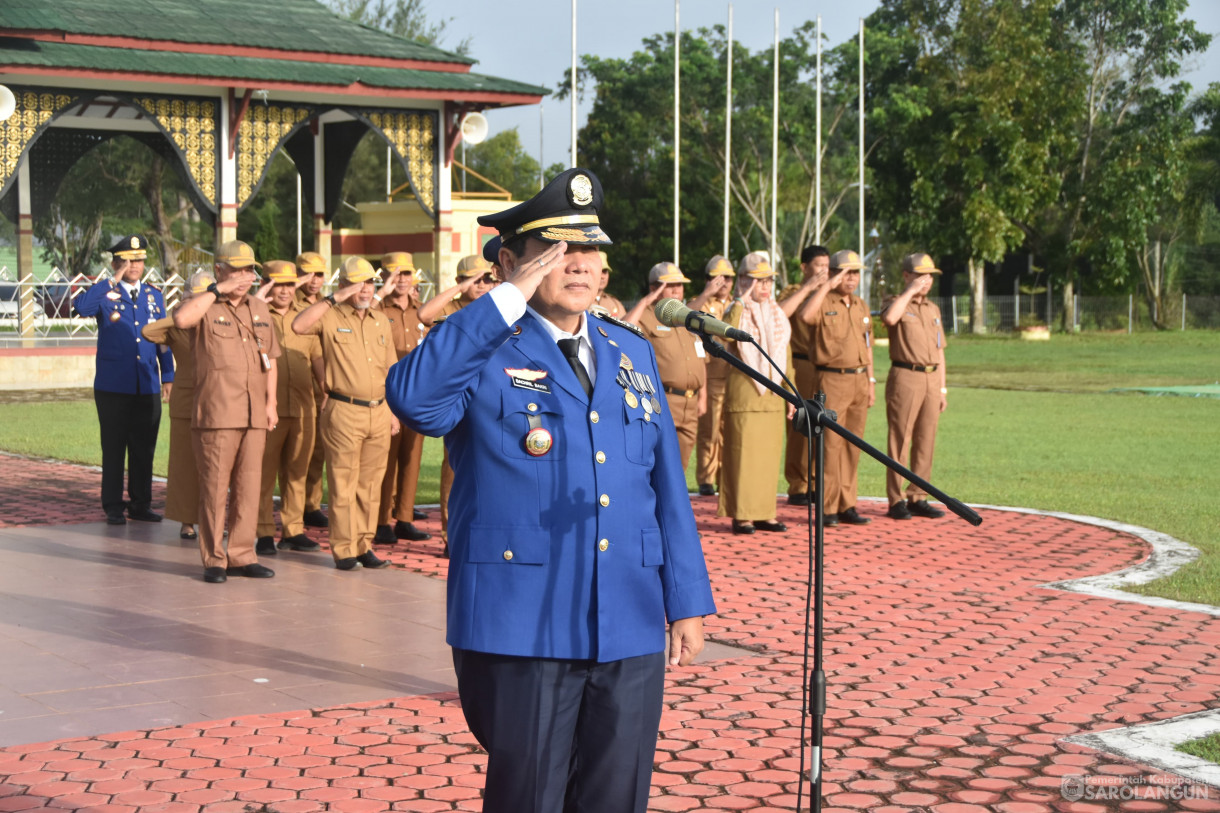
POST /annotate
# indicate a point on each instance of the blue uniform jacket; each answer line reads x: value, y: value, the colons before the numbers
x: 126, y: 362
x: 527, y: 573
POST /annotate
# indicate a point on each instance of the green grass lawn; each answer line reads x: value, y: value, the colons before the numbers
x: 1207, y: 748
x: 1029, y: 424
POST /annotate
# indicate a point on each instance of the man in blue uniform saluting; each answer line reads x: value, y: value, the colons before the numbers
x: 572, y: 541
x: 132, y: 373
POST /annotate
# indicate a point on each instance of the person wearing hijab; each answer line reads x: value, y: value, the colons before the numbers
x: 753, y: 442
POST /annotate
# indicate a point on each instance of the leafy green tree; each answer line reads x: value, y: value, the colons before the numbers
x: 503, y: 160
x: 965, y: 96
x: 1127, y: 50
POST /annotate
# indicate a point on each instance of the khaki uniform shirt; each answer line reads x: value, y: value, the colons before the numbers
x: 303, y: 302
x: 919, y: 335
x: 717, y: 369
x: 452, y: 307
x: 359, y: 352
x: 294, y: 378
x: 612, y: 304
x: 182, y: 344
x: 680, y: 356
x: 230, y: 370
x: 802, y: 332
x: 842, y: 333
x: 405, y: 326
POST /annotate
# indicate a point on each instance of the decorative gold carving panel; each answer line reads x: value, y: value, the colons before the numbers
x: 413, y: 136
x: 261, y: 131
x: 191, y: 124
x: 34, y: 109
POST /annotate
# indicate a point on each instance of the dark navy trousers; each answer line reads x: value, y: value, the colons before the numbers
x: 563, y: 736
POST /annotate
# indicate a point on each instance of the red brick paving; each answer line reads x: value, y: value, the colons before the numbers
x: 952, y: 678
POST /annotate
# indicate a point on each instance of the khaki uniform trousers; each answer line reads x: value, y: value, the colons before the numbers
x: 446, y: 486
x: 286, y: 457
x: 313, y: 477
x: 796, y: 461
x: 846, y: 394
x: 401, y: 477
x: 685, y: 412
x: 182, y: 480
x: 708, y: 438
x: 912, y: 409
x: 355, y: 439
x: 230, y: 464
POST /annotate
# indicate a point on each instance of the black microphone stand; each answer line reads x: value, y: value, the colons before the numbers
x: 812, y: 417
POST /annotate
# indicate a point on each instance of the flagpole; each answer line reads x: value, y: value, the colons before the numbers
x: 728, y: 126
x: 817, y: 183
x: 677, y: 129
x: 860, y: 149
x: 573, y: 82
x: 775, y: 149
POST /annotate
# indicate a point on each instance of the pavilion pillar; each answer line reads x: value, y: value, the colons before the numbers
x: 25, y: 252
x: 322, y: 230
x: 444, y: 254
x: 226, y: 221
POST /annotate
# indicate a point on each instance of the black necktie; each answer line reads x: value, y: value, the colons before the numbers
x: 570, y: 348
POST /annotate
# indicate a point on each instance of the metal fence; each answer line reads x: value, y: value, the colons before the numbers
x: 41, y: 310
x: 1006, y: 314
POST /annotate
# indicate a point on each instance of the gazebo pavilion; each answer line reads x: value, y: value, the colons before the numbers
x: 217, y: 87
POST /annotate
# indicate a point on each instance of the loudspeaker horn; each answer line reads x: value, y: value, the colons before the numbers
x: 474, y: 128
x: 8, y: 103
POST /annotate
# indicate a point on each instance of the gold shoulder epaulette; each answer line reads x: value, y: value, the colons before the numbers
x: 605, y: 316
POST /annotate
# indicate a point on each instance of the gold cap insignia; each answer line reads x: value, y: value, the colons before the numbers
x: 135, y: 242
x: 581, y: 189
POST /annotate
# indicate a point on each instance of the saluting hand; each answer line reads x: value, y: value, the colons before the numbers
x: 346, y: 292
x: 264, y: 293
x: 527, y: 273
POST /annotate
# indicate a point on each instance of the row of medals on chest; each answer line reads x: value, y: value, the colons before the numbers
x: 116, y: 315
x: 538, y: 440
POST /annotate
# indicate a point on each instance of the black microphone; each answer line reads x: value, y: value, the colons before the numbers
x: 673, y: 313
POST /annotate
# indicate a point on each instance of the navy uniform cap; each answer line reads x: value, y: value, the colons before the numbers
x: 491, y: 250
x: 566, y: 209
x: 131, y: 247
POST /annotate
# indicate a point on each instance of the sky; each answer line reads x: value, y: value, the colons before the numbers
x: 530, y: 41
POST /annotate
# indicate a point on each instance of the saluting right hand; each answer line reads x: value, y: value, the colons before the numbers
x: 528, y: 273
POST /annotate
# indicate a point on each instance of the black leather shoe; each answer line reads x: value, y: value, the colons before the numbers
x: 316, y: 519
x: 116, y: 519
x: 830, y: 520
x: 923, y: 508
x: 899, y: 510
x: 852, y: 518
x: 766, y: 525
x: 369, y: 560
x: 215, y: 575
x: 707, y: 490
x: 407, y: 531
x: 253, y: 571
x: 143, y: 515
x: 347, y: 563
x: 385, y: 535
x: 743, y: 527
x: 298, y: 542
x: 417, y: 515
x: 265, y: 546
x: 798, y: 499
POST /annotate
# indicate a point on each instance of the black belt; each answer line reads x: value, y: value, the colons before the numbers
x: 345, y: 399
x: 684, y: 393
x: 919, y: 368
x: 800, y: 356
x: 847, y: 370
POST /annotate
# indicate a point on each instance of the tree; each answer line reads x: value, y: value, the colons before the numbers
x: 503, y: 160
x: 404, y: 18
x: 964, y: 93
x: 1127, y: 48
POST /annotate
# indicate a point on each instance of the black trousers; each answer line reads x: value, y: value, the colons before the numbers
x: 570, y: 736
x: 129, y: 426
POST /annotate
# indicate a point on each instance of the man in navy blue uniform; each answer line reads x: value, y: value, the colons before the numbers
x: 132, y: 374
x: 571, y: 536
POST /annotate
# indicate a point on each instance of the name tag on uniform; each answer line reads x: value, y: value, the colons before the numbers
x: 343, y: 330
x: 662, y: 328
x: 699, y: 352
x: 528, y: 379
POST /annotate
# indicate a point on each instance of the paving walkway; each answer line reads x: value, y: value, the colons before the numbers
x: 953, y: 675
